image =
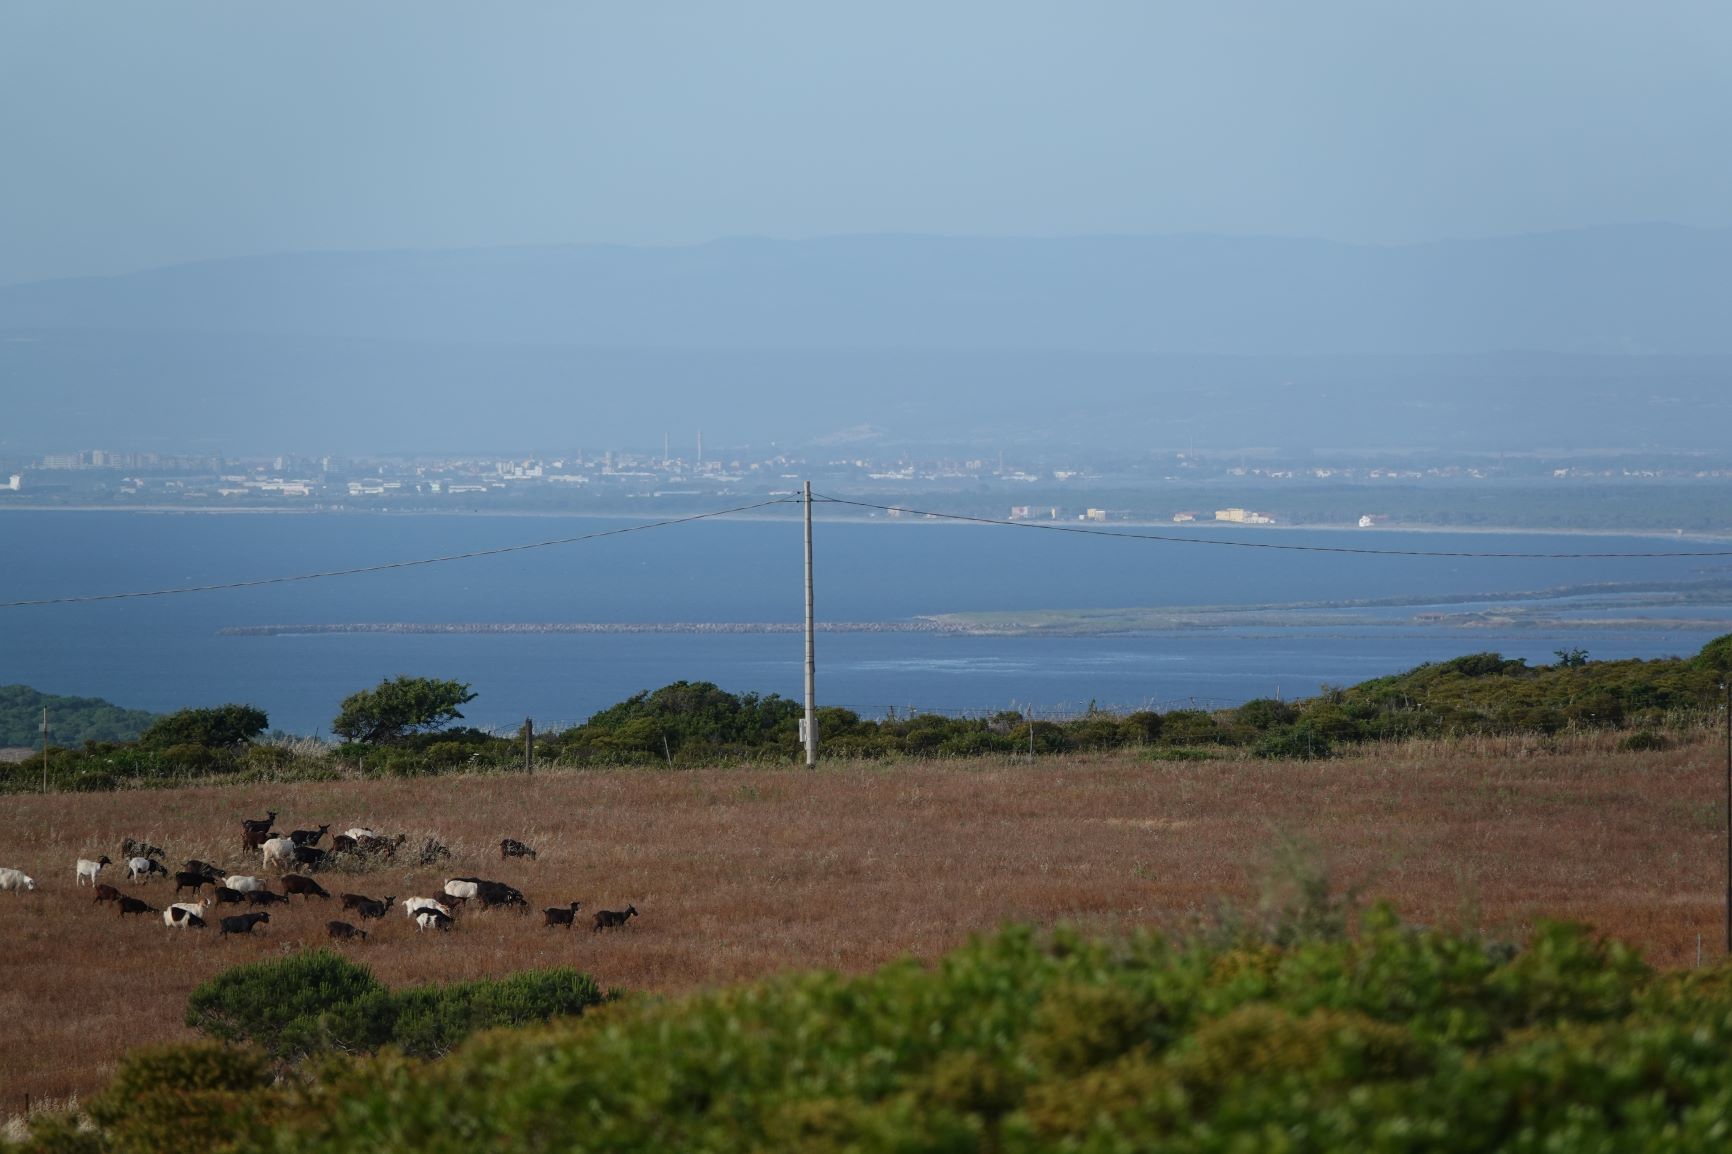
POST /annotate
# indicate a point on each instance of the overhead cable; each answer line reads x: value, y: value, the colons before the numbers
x: 380, y: 568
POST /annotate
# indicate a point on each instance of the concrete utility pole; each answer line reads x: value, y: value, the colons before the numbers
x: 810, y: 726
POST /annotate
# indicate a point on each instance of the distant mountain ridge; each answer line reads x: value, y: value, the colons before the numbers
x: 1640, y: 289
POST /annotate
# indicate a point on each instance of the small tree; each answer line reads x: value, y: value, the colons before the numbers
x: 399, y: 707
x: 221, y: 727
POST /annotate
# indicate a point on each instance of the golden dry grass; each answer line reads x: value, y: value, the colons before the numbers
x: 740, y: 873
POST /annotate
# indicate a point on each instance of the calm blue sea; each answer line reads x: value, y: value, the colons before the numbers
x: 165, y: 653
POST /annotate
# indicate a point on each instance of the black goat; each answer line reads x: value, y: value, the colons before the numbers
x: 310, y: 858
x: 226, y: 896
x: 134, y: 906
x: 511, y: 847
x: 344, y: 931
x: 266, y: 897
x: 187, y: 880
x: 308, y: 836
x: 558, y: 916
x: 242, y: 923
x: 612, y: 919
x: 131, y: 848
x: 259, y: 826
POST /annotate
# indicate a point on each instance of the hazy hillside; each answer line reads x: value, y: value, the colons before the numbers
x: 1646, y: 289
x: 1607, y: 337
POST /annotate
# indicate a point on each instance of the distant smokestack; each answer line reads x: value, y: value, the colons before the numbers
x: 700, y: 446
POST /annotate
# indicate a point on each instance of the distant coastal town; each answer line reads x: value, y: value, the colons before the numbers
x: 1634, y: 490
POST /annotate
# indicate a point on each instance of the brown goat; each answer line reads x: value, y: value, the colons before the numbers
x: 134, y: 906
x: 345, y: 931
x: 107, y: 893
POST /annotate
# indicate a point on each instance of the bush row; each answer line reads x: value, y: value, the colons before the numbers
x: 1394, y: 1040
x: 698, y: 723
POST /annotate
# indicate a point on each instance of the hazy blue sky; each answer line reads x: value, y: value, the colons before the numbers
x: 136, y: 134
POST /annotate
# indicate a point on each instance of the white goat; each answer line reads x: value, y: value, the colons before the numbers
x: 359, y: 832
x: 15, y: 881
x: 432, y: 919
x: 458, y: 888
x: 245, y: 884
x: 413, y: 906
x: 185, y: 915
x: 143, y: 867
x: 87, y: 869
x: 279, y: 851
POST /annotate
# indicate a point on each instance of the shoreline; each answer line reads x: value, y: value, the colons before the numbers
x: 1200, y: 531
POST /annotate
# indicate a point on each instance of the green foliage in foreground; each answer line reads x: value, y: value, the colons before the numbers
x: 319, y: 1000
x: 218, y: 727
x: 71, y: 719
x: 1396, y: 1040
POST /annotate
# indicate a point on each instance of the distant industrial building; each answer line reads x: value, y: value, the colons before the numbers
x: 1243, y: 517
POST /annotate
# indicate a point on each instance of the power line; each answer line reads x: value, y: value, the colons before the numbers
x: 1288, y: 547
x: 380, y: 568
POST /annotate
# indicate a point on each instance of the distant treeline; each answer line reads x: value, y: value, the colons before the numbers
x: 690, y: 724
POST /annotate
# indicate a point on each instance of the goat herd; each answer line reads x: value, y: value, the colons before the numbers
x: 300, y: 850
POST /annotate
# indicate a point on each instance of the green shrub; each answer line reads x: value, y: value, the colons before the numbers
x: 1642, y: 741
x: 319, y: 1000
x: 186, y: 1099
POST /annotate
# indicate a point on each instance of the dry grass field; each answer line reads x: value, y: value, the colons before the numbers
x: 740, y: 873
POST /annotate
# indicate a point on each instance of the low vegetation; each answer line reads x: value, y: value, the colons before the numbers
x: 317, y: 1001
x: 1393, y: 1038
x: 403, y: 727
x: 75, y: 720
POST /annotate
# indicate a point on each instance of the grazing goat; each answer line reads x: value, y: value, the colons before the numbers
x: 183, y: 916
x: 464, y: 888
x: 241, y: 923
x: 187, y: 880
x: 368, y: 908
x: 213, y: 872
x: 350, y: 901
x: 134, y: 906
x: 87, y: 869
x: 131, y: 848
x: 343, y: 843
x: 499, y: 894
x: 309, y: 858
x: 558, y: 916
x: 358, y: 832
x: 612, y: 919
x: 227, y: 897
x: 252, y: 825
x: 380, y: 846
x: 344, y: 931
x: 252, y: 839
x: 143, y: 868
x: 511, y: 847
x: 308, y: 836
x: 265, y: 898
x: 432, y: 919
x: 244, y: 883
x: 279, y: 851
x: 17, y: 881
x: 305, y: 886
x: 413, y: 906
x: 107, y: 893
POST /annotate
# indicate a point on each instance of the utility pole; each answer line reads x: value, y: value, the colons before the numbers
x: 810, y: 726
x: 45, y: 755
x: 529, y: 745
